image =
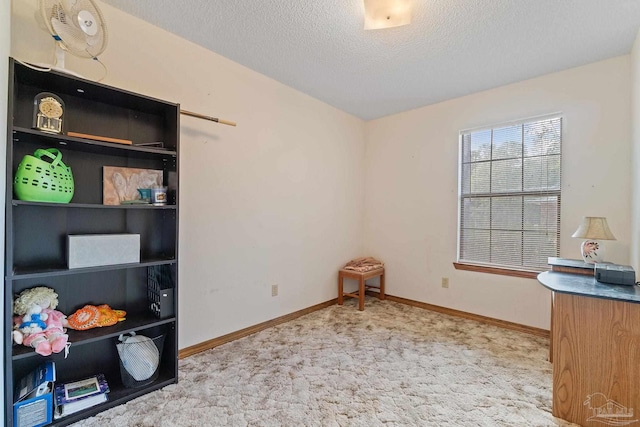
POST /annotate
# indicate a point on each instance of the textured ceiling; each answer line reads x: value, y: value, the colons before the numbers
x: 451, y: 48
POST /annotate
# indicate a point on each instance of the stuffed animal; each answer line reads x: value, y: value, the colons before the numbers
x: 38, y: 324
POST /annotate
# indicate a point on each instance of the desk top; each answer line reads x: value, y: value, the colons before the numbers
x: 579, y: 284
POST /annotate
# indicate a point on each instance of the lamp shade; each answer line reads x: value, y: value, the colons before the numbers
x: 594, y: 227
x: 386, y: 13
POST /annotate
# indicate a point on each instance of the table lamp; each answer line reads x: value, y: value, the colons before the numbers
x: 593, y: 229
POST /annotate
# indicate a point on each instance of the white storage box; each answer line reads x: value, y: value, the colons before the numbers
x: 91, y: 250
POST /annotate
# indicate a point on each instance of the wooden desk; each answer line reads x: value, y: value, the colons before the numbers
x: 595, y: 336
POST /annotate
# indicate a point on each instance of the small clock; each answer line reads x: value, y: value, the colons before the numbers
x: 48, y: 110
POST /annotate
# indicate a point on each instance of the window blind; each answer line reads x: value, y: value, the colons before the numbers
x: 510, y: 196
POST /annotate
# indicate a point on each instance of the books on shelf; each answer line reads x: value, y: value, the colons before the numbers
x: 76, y: 396
x: 564, y: 265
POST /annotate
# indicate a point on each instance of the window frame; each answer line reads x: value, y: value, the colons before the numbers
x: 494, y: 268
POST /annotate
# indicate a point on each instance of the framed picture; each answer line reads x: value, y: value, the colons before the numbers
x: 121, y: 184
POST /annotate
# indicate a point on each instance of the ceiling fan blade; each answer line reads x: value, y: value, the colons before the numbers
x: 72, y: 38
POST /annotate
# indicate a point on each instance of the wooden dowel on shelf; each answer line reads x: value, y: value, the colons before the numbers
x: 211, y: 119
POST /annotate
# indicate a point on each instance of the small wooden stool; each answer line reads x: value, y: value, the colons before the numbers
x: 361, y: 277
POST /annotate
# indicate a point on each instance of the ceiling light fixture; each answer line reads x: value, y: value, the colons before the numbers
x: 386, y: 13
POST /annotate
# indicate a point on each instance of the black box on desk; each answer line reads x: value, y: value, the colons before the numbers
x: 33, y: 398
x: 615, y: 274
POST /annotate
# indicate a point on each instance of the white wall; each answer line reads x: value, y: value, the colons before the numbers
x: 276, y: 200
x: 5, y: 45
x: 635, y: 158
x: 281, y: 198
x: 411, y: 185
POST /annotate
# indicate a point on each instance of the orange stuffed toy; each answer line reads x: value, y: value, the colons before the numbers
x: 91, y: 316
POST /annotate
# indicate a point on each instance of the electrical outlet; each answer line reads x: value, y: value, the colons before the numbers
x: 274, y: 290
x: 445, y: 282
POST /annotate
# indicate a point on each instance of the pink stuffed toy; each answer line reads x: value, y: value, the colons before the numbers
x: 37, y: 323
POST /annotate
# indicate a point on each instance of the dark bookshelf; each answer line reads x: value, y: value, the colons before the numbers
x: 35, y: 232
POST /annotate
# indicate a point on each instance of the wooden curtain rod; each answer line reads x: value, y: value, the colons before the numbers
x: 211, y: 119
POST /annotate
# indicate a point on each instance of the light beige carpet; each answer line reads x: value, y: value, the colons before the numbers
x: 390, y: 365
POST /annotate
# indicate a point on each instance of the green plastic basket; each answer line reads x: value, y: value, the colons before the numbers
x: 39, y: 180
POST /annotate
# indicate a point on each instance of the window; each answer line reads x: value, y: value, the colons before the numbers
x: 510, y: 194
